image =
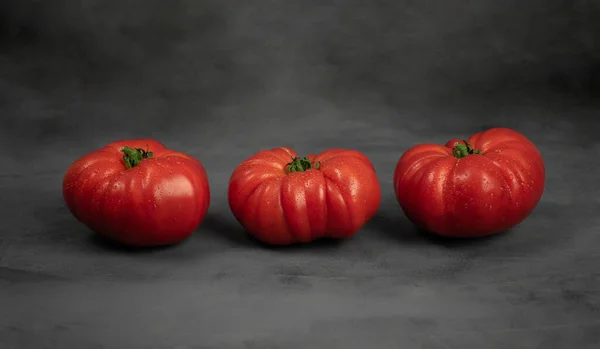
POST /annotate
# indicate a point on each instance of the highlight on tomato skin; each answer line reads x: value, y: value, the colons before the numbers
x: 479, y: 186
x: 281, y: 198
x: 138, y: 193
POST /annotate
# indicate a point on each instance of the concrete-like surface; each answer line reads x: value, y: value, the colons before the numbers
x: 222, y: 80
x: 536, y: 286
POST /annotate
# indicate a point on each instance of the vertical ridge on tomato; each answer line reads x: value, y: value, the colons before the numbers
x: 469, y: 188
x: 283, y: 199
x: 138, y: 192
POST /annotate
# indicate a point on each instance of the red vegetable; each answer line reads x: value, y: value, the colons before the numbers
x: 482, y: 186
x: 283, y: 199
x: 138, y: 193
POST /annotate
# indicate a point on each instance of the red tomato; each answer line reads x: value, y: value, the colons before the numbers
x: 282, y: 199
x: 482, y: 186
x: 138, y: 193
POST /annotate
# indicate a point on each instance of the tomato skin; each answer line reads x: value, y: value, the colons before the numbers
x: 474, y: 196
x: 278, y: 208
x: 159, y: 202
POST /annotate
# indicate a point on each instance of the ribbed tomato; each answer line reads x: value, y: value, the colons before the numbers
x: 282, y: 199
x: 138, y: 193
x: 468, y: 188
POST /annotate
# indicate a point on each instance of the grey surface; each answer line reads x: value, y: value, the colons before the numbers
x: 222, y: 80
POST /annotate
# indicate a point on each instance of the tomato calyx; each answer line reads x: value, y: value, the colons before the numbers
x: 461, y: 150
x: 301, y: 165
x: 133, y: 157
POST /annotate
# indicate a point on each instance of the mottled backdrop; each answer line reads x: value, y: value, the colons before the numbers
x: 222, y: 79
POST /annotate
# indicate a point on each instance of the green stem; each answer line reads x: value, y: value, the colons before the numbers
x: 133, y: 157
x: 462, y: 150
x: 301, y: 165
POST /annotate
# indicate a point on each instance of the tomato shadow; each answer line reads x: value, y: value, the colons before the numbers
x: 232, y: 232
x: 322, y: 244
x: 100, y: 242
x: 398, y: 228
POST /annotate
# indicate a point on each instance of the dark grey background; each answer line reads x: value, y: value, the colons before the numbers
x: 223, y: 79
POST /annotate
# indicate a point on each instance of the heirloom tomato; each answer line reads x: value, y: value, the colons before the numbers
x: 283, y: 199
x: 138, y: 192
x: 469, y: 188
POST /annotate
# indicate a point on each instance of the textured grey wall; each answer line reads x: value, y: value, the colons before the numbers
x: 71, y: 65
